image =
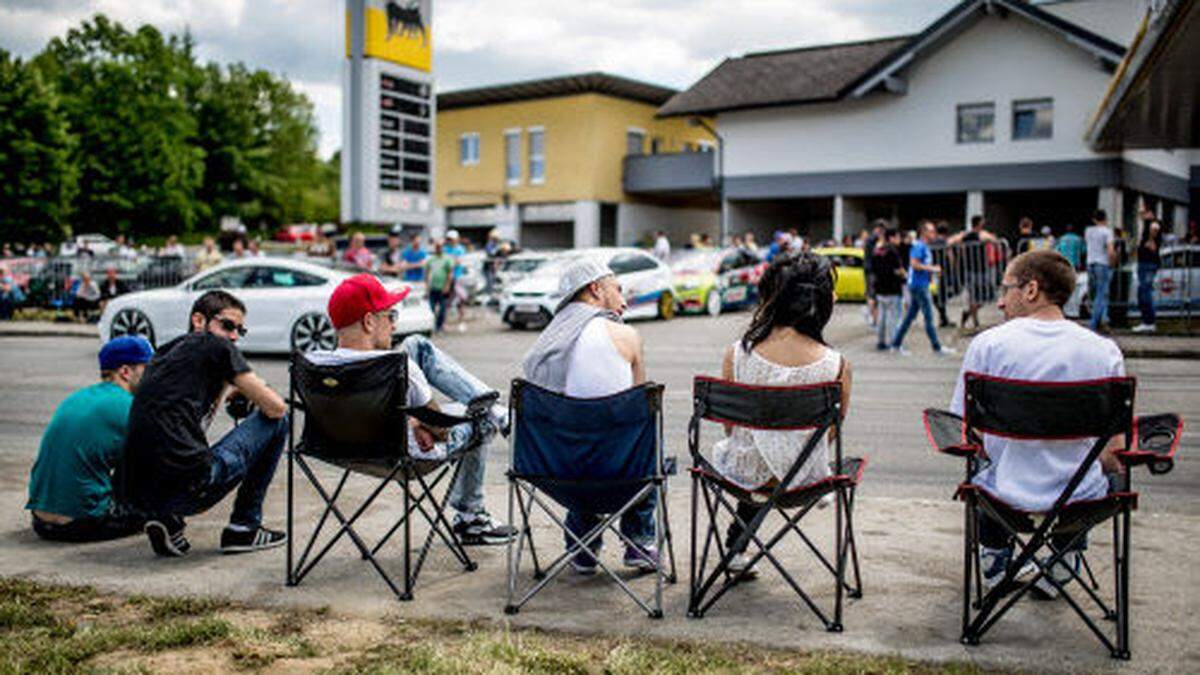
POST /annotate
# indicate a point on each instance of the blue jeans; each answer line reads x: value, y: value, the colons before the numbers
x: 637, y: 523
x: 1145, y: 291
x: 919, y: 300
x: 889, y: 319
x: 437, y: 304
x: 447, y: 376
x: 244, y: 459
x: 1099, y: 277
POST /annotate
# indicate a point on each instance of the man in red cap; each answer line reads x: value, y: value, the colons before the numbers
x: 363, y: 313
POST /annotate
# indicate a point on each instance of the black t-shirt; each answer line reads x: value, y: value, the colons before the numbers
x: 166, y: 450
x: 886, y: 264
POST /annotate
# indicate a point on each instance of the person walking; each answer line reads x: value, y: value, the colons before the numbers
x: 1071, y: 246
x: 889, y: 284
x: 921, y: 271
x: 1101, y: 251
x: 662, y: 246
x: 439, y: 280
x: 1148, y: 261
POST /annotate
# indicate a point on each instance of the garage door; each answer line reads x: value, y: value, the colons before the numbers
x: 548, y: 235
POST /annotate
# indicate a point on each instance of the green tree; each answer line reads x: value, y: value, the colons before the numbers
x: 125, y: 96
x: 37, y: 177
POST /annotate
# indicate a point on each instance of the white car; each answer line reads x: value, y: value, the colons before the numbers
x: 285, y: 306
x: 1176, y: 286
x: 645, y: 281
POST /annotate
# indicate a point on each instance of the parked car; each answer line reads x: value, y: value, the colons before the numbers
x: 98, y: 244
x: 285, y: 304
x: 294, y: 234
x: 851, y: 280
x: 1176, y: 286
x: 645, y: 281
x: 715, y: 281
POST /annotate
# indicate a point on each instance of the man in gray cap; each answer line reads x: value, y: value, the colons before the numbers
x: 586, y: 352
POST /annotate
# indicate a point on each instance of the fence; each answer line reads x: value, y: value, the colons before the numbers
x: 53, y: 283
x: 973, y: 270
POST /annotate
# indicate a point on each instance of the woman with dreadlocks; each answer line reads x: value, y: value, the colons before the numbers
x: 784, y: 346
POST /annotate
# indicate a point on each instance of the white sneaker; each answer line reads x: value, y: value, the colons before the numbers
x: 902, y: 351
x: 944, y: 350
x: 1061, y: 572
x: 1144, y: 328
x: 993, y: 562
x: 741, y: 563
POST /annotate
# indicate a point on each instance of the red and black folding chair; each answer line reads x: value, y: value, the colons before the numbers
x: 354, y: 420
x: 1051, y: 411
x: 810, y: 407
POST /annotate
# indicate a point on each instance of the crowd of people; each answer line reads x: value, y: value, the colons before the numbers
x: 131, y: 453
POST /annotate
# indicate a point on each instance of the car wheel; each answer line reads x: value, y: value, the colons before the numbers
x: 313, y: 331
x: 712, y: 302
x: 666, y: 306
x: 131, y: 321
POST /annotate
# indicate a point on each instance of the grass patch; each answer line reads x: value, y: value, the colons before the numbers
x: 59, y: 629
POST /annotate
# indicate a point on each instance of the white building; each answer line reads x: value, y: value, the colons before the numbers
x: 984, y: 112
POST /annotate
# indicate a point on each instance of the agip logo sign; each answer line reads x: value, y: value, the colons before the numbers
x: 399, y: 31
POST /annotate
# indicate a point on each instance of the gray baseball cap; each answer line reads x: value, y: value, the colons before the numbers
x: 578, y: 274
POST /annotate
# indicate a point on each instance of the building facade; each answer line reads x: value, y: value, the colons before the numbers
x: 541, y: 161
x: 985, y: 112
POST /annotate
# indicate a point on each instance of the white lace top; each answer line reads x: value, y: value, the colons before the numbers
x: 752, y: 457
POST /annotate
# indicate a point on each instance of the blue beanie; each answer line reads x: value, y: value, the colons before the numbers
x: 125, y: 350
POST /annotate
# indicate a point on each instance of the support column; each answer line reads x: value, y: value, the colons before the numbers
x: 1112, y: 200
x: 587, y: 224
x: 1180, y: 221
x: 974, y: 207
x: 839, y: 218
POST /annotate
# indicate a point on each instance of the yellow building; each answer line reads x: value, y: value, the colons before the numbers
x: 544, y: 162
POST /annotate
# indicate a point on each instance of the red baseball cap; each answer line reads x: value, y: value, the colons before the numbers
x: 358, y: 296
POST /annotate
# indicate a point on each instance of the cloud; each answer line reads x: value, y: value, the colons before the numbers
x: 479, y: 42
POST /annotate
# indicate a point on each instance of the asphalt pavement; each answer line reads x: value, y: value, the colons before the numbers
x: 910, y: 530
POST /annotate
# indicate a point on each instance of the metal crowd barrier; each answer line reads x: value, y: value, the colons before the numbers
x: 972, y: 272
x: 52, y: 282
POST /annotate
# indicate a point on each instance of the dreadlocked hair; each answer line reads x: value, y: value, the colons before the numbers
x: 795, y: 291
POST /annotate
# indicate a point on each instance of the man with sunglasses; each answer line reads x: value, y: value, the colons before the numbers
x: 170, y: 471
x: 363, y: 313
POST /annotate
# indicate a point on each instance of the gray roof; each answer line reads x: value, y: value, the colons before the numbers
x: 792, y: 76
x: 568, y: 85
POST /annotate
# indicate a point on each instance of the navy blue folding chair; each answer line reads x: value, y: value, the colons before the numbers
x: 600, y: 455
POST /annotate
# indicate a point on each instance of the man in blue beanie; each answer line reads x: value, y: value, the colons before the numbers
x: 71, y: 485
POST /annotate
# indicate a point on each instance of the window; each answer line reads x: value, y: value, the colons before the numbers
x: 234, y: 277
x: 537, y: 156
x: 634, y: 141
x: 655, y: 145
x: 512, y: 157
x: 468, y: 149
x: 977, y: 123
x: 627, y: 263
x: 1033, y: 119
x: 280, y: 277
x: 705, y: 146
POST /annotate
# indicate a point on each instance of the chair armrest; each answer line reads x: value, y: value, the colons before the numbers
x: 946, y: 433
x: 962, y: 450
x: 1155, y: 440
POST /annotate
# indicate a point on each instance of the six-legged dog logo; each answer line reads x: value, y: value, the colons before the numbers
x: 406, y: 21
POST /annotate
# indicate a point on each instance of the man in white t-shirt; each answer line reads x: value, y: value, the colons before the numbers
x: 587, y: 352
x: 1036, y: 343
x: 363, y: 313
x: 662, y: 246
x: 1101, y: 253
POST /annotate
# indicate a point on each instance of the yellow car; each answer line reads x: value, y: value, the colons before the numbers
x: 851, y: 282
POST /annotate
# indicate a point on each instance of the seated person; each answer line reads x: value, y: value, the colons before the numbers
x: 71, y: 488
x: 586, y: 352
x: 361, y: 310
x: 87, y: 297
x: 11, y: 295
x: 1036, y: 343
x: 784, y: 346
x: 170, y: 471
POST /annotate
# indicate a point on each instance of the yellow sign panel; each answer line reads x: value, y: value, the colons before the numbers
x: 400, y: 33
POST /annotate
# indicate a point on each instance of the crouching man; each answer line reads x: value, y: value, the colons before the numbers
x: 363, y: 313
x: 71, y: 488
x: 170, y: 470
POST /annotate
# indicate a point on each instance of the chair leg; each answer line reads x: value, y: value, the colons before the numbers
x: 526, y: 511
x: 857, y: 592
x: 1123, y: 651
x: 408, y: 581
x: 840, y: 551
x: 691, y: 610
x: 289, y: 578
x: 969, y: 546
x: 510, y: 549
x: 666, y: 526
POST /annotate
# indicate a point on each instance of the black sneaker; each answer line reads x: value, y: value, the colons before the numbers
x: 482, y: 530
x: 245, y: 541
x: 166, y: 537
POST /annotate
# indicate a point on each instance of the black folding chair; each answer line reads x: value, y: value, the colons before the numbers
x: 354, y: 419
x: 1101, y: 409
x: 598, y: 455
x: 816, y: 407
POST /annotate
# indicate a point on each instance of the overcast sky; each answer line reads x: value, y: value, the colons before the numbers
x: 479, y: 42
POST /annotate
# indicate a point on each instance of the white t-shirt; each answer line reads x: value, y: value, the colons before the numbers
x: 1032, y: 474
x: 596, y: 367
x: 1098, y: 238
x: 419, y: 392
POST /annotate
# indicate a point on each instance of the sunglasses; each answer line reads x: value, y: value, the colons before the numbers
x: 391, y: 314
x: 232, y: 326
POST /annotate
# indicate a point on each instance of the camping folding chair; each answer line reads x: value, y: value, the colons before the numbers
x: 354, y: 420
x: 816, y: 407
x: 598, y: 455
x: 1100, y: 409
